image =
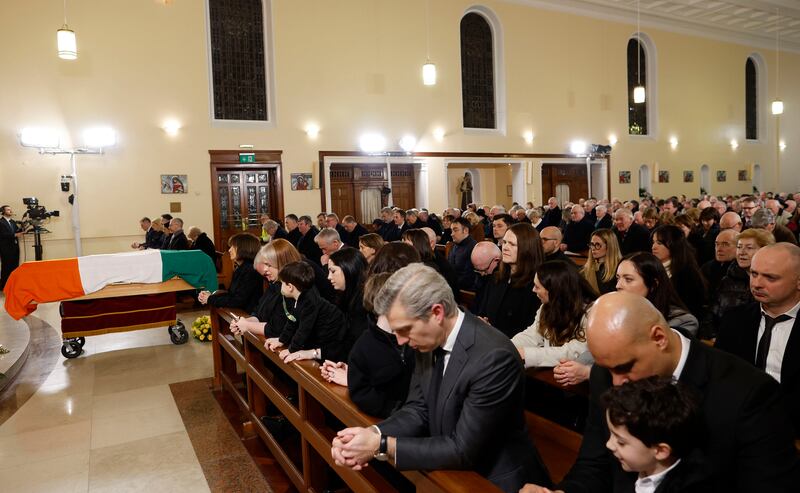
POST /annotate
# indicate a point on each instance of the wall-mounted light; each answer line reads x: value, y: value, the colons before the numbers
x: 673, y: 142
x: 528, y: 136
x: 408, y: 143
x: 782, y: 145
x: 577, y: 147
x: 171, y: 127
x: 99, y: 137
x: 612, y: 139
x: 734, y: 144
x: 312, y: 130
x: 438, y: 134
x: 39, y: 138
x: 372, y: 142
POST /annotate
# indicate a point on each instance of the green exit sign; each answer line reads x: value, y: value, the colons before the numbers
x: 247, y: 157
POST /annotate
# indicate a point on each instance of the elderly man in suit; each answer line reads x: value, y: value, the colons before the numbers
x: 178, y: 239
x: 9, y: 244
x: 766, y: 333
x: 465, y: 405
x: 748, y: 444
x: 630, y: 236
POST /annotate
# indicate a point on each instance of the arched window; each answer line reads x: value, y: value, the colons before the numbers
x: 477, y: 72
x: 705, y: 179
x: 751, y: 99
x: 637, y: 76
x: 644, y: 180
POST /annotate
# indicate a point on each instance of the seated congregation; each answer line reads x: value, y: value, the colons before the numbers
x: 677, y: 315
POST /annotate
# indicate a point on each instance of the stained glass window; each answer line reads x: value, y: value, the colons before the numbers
x: 751, y: 100
x: 477, y: 72
x: 637, y: 75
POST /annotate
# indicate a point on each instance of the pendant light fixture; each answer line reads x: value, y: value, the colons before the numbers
x: 67, y: 45
x: 777, y: 105
x: 429, y: 69
x: 638, y: 91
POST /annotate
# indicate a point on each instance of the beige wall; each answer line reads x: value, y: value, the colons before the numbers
x: 352, y: 66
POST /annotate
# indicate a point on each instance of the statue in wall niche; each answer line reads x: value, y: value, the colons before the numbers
x: 465, y: 190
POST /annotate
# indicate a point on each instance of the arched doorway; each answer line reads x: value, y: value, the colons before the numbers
x: 644, y: 180
x: 705, y: 179
x: 756, y: 177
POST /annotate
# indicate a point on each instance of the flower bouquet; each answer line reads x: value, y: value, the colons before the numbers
x: 201, y: 328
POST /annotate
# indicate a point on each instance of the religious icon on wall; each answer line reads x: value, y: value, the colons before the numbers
x: 663, y: 176
x: 465, y: 190
x: 742, y: 175
x: 688, y: 176
x: 174, y: 184
x: 301, y: 181
x: 722, y: 176
x: 624, y: 176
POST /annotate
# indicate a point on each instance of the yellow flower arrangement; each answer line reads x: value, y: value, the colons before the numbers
x: 201, y: 328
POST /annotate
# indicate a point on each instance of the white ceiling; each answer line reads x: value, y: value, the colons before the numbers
x: 750, y: 22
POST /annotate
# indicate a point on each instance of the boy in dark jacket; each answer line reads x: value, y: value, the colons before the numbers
x: 315, y: 327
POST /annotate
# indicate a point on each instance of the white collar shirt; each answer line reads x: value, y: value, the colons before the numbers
x: 780, y: 338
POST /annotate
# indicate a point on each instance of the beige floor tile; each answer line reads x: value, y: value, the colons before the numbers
x: 144, y: 377
x: 77, y: 379
x: 67, y: 474
x: 136, y: 400
x: 130, y: 427
x: 121, y: 361
x: 165, y: 463
x: 49, y: 443
x: 48, y: 410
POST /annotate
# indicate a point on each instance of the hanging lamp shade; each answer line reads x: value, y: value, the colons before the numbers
x: 67, y: 45
x: 638, y: 94
x: 777, y: 107
x: 429, y: 74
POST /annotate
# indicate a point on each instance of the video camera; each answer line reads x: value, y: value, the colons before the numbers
x: 36, y: 213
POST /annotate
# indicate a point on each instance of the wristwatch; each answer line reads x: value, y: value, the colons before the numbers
x: 382, y: 453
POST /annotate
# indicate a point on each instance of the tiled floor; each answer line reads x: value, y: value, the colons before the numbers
x: 107, y: 420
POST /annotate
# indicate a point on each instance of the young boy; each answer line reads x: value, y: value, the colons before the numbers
x: 654, y: 425
x: 315, y: 327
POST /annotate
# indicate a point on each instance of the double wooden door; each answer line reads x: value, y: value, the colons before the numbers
x: 349, y: 181
x: 566, y: 182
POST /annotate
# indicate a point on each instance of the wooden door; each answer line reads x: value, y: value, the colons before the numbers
x: 240, y: 193
x: 564, y: 180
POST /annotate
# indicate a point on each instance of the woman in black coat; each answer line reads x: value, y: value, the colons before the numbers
x: 678, y: 257
x: 247, y: 285
x: 347, y: 270
x: 422, y: 244
x: 507, y: 301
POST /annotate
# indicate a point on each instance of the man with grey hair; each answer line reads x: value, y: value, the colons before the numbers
x: 781, y: 216
x: 465, y: 407
x: 553, y: 215
x: 603, y: 218
x: 578, y: 230
x: 632, y: 237
x: 328, y: 241
x: 177, y: 239
x: 730, y: 220
x: 765, y: 219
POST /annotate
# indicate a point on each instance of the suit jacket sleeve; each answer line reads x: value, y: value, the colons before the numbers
x: 243, y: 286
x: 412, y: 419
x: 490, y: 395
x: 306, y: 320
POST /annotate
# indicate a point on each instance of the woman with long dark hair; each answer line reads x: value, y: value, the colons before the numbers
x: 507, y: 301
x: 678, y: 257
x: 347, y: 271
x: 558, y: 331
x: 421, y: 242
x: 247, y: 286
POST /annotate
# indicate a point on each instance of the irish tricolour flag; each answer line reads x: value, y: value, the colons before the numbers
x: 56, y: 280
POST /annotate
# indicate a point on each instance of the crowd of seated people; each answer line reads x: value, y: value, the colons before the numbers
x: 599, y: 291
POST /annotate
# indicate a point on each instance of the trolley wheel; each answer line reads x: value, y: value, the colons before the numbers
x: 71, y: 349
x: 81, y: 341
x: 178, y: 333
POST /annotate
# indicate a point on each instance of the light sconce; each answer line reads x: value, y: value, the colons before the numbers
x: 577, y: 147
x: 612, y: 139
x: 782, y: 145
x: 312, y: 130
x: 528, y: 136
x: 673, y: 142
x: 171, y: 127
x: 372, y: 143
x: 734, y: 144
x: 438, y: 134
x: 408, y: 143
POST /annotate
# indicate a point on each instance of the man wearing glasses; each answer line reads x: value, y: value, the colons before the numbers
x: 749, y: 207
x: 551, y: 244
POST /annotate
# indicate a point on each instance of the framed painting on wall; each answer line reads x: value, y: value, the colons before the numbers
x: 301, y: 181
x: 688, y: 176
x: 624, y: 176
x: 174, y: 184
x: 742, y: 175
x: 722, y: 176
x: 663, y: 176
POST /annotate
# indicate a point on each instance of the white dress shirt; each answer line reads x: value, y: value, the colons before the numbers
x: 780, y: 338
x: 684, y: 355
x: 649, y: 484
x: 450, y: 343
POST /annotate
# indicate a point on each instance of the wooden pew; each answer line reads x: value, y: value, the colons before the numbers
x: 315, y: 409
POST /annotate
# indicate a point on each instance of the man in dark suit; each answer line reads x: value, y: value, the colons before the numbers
x: 292, y: 233
x: 332, y: 221
x: 631, y: 236
x: 602, y: 218
x: 152, y: 238
x: 461, y: 254
x: 398, y: 226
x: 465, y: 408
x: 352, y: 231
x: 553, y: 215
x: 306, y: 245
x: 578, y: 231
x: 767, y: 333
x: 9, y: 244
x: 178, y: 239
x: 748, y: 443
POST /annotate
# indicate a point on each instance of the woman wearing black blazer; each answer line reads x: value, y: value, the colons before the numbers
x: 507, y: 301
x: 247, y: 285
x: 347, y: 270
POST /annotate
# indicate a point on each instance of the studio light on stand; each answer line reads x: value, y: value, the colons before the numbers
x: 46, y: 141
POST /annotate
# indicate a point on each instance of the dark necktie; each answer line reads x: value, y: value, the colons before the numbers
x: 436, y: 385
x: 766, y: 339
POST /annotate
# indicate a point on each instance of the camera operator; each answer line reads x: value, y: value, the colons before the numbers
x: 9, y: 244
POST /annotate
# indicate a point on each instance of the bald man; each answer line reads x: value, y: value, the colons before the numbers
x: 485, y: 258
x: 553, y: 215
x: 748, y: 444
x: 713, y: 271
x: 551, y: 244
x: 731, y: 220
x: 766, y: 333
